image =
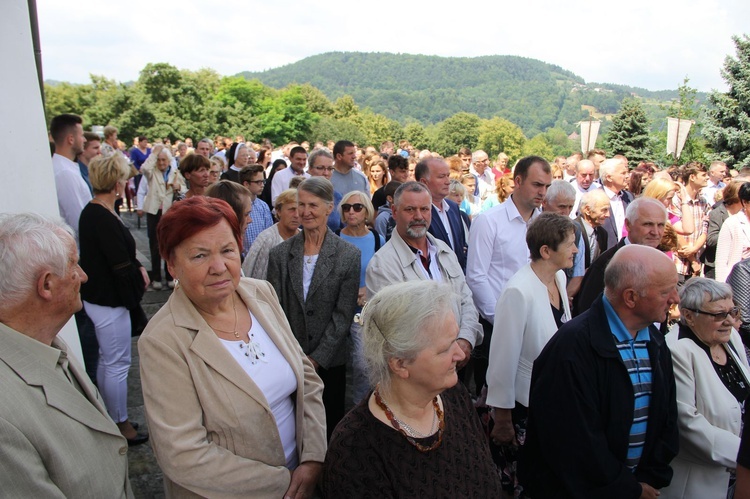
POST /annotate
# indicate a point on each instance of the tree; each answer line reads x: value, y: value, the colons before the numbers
x: 727, y: 126
x: 460, y: 130
x: 629, y: 133
x: 538, y: 146
x: 415, y: 133
x: 328, y: 128
x: 499, y: 135
x: 286, y: 117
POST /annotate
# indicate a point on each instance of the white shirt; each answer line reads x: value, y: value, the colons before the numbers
x: 497, y: 249
x: 281, y: 180
x: 274, y: 377
x: 443, y: 214
x: 617, y: 210
x: 72, y: 192
x: 486, y: 181
x: 308, y: 269
x: 709, y: 191
x: 434, y: 274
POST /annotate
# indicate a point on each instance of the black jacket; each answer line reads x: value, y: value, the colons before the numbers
x: 581, y: 411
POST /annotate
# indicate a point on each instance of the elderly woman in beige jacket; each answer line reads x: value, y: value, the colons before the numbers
x: 163, y: 182
x: 711, y: 376
x: 234, y: 406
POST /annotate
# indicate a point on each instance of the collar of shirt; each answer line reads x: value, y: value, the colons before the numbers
x: 64, y: 162
x: 513, y: 213
x: 612, y: 195
x: 619, y: 331
x: 443, y: 208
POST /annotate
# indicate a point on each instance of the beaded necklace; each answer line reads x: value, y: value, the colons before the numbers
x: 399, y: 425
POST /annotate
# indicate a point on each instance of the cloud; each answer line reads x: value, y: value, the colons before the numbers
x: 641, y: 43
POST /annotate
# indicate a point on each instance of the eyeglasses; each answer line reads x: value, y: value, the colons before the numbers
x: 322, y: 168
x: 259, y: 182
x: 720, y: 316
x: 357, y: 207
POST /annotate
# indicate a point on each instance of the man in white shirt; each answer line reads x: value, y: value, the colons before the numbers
x: 480, y: 166
x: 716, y: 174
x: 296, y: 168
x: 72, y: 191
x: 345, y: 177
x: 497, y: 246
x: 613, y: 175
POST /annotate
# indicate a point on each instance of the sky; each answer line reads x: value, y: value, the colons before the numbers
x: 652, y: 44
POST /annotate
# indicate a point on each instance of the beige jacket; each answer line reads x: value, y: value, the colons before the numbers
x: 159, y: 192
x: 54, y: 440
x: 212, y: 430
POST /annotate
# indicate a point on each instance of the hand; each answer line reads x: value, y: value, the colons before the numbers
x: 466, y: 349
x: 157, y: 149
x: 648, y: 491
x: 145, y: 277
x: 503, y: 433
x: 139, y: 212
x: 303, y: 481
x: 314, y: 363
x: 361, y: 296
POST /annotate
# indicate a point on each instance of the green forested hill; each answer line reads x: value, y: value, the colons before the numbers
x: 533, y: 94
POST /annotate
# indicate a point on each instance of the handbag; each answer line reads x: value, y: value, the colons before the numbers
x: 138, y: 320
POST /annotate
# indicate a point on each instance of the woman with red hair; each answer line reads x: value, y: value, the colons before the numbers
x: 233, y: 405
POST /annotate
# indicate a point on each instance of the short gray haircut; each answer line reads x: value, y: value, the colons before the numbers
x: 207, y: 141
x: 395, y: 323
x: 632, y: 212
x: 608, y: 166
x: 591, y: 198
x: 317, y: 153
x: 411, y: 186
x: 29, y: 245
x: 369, y: 210
x: 476, y: 155
x: 317, y: 186
x: 560, y: 189
x: 698, y: 291
x: 623, y: 274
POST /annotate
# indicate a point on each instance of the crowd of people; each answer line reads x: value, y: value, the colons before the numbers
x: 567, y: 329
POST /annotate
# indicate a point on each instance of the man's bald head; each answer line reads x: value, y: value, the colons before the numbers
x: 585, y: 173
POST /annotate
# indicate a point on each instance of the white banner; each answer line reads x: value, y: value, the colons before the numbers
x: 589, y: 132
x: 677, y: 133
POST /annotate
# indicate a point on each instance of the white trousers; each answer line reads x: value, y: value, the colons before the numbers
x: 113, y: 333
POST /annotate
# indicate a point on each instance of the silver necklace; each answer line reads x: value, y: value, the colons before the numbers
x: 409, y: 429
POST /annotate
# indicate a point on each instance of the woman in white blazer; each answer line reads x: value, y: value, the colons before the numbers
x: 532, y: 307
x: 711, y: 375
x: 734, y: 237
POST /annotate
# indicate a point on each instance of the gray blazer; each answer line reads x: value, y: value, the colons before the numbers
x: 54, y: 440
x: 320, y: 323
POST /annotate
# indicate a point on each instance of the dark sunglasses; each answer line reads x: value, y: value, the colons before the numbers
x: 357, y: 207
x: 734, y: 312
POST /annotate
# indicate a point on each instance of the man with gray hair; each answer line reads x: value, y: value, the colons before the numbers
x: 594, y: 211
x: 645, y: 220
x: 560, y: 199
x: 414, y: 254
x: 603, y: 411
x: 56, y: 439
x: 614, y: 175
x: 584, y: 182
x: 480, y: 167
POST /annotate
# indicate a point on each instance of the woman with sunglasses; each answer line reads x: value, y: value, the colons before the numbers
x: 711, y: 374
x: 357, y: 213
x: 316, y: 276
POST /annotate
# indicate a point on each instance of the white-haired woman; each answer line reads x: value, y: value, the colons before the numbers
x: 163, y: 183
x: 417, y: 434
x: 358, y: 214
x: 711, y: 375
x: 116, y: 284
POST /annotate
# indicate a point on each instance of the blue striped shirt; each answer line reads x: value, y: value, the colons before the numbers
x: 261, y: 220
x: 634, y: 354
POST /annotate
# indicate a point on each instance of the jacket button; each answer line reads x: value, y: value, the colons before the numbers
x: 309, y: 313
x: 123, y: 451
